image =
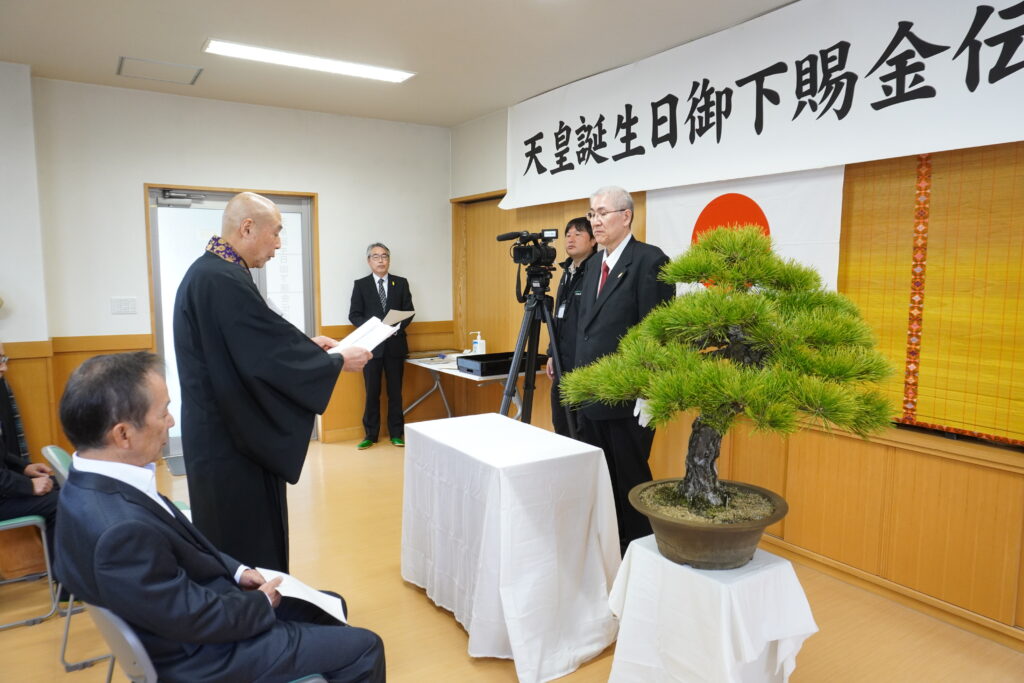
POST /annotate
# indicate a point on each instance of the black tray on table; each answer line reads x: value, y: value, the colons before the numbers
x: 487, y: 364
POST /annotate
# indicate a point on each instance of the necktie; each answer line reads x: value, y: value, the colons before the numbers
x: 382, y: 295
x: 604, y: 276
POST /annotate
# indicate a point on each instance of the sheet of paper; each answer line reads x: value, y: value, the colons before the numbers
x: 293, y: 588
x: 366, y: 336
x: 395, y: 317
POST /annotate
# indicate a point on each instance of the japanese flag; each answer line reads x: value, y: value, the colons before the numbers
x: 801, y: 212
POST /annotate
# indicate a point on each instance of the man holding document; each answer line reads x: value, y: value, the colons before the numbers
x: 387, y: 297
x: 251, y: 386
x: 200, y: 614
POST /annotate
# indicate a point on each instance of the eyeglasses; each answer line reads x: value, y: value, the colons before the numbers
x: 4, y: 359
x: 591, y: 215
x: 380, y: 257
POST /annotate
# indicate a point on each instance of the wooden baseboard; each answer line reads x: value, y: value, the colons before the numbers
x: 1004, y: 634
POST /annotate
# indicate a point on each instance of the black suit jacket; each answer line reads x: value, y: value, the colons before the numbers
x: 569, y: 295
x: 366, y: 304
x: 120, y: 550
x: 631, y: 291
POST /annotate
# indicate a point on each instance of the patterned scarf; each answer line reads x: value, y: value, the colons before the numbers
x: 218, y: 247
x: 9, y: 416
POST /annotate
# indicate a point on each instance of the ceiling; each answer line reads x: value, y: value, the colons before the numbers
x: 471, y: 57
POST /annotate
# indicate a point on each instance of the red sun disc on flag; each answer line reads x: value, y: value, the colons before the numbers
x: 730, y: 209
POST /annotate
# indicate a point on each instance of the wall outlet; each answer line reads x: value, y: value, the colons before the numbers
x: 123, y: 305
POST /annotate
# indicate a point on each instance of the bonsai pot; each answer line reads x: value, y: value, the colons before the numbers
x: 708, y: 545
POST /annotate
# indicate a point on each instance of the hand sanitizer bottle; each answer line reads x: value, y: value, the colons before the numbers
x: 479, y: 345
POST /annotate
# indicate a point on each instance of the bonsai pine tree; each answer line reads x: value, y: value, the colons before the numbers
x: 762, y: 339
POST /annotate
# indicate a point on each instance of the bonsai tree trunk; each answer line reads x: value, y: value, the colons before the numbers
x: 700, y: 486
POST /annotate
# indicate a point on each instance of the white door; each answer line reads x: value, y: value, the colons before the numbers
x: 182, y: 222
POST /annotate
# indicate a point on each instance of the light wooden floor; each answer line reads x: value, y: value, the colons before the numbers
x: 346, y: 532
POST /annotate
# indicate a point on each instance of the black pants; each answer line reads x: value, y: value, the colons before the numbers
x: 627, y: 447
x: 558, y: 418
x: 304, y: 640
x: 391, y: 367
x: 352, y: 654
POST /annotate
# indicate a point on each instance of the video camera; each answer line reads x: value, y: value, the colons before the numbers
x: 532, y: 248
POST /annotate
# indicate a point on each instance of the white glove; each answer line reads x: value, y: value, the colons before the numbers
x: 643, y: 416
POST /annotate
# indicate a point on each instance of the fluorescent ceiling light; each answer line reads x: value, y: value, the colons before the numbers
x: 333, y: 66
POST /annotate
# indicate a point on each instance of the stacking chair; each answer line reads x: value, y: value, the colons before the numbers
x: 60, y: 461
x: 39, y: 523
x: 128, y: 651
x: 125, y: 646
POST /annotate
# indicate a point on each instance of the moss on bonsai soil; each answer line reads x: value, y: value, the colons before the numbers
x: 744, y: 505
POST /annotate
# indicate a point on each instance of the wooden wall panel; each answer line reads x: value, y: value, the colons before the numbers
x: 343, y: 418
x: 668, y: 454
x: 21, y: 553
x: 70, y: 352
x: 835, y: 487
x: 956, y: 533
x: 760, y: 459
x: 1019, y: 620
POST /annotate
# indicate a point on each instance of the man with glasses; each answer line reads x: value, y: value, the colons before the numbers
x: 619, y: 288
x: 373, y: 296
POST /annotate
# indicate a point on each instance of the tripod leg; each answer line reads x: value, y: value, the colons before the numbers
x: 517, y: 357
x: 530, y: 369
x: 557, y: 358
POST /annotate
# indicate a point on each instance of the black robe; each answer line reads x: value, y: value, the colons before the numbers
x: 251, y: 386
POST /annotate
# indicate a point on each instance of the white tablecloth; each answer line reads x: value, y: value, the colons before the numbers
x: 678, y: 623
x: 512, y: 529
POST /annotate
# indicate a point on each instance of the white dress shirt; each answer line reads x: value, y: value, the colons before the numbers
x: 613, y: 258
x: 141, y: 478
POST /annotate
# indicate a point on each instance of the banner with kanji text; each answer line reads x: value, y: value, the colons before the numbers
x: 814, y: 84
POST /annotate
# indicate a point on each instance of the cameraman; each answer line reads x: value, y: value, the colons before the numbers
x: 580, y: 245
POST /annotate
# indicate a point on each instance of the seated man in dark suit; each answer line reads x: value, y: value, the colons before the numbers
x: 200, y: 614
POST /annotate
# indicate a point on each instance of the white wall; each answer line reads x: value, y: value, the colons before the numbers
x: 22, y: 280
x: 478, y: 155
x: 97, y: 146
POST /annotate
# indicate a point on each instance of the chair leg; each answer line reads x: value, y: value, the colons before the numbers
x: 49, y: 584
x: 85, y: 663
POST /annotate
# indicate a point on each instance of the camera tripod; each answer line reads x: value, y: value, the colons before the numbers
x: 537, y: 310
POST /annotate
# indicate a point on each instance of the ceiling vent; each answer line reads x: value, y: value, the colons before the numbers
x: 152, y: 70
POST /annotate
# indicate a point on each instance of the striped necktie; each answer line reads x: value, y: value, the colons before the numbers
x: 382, y: 295
x: 604, y: 276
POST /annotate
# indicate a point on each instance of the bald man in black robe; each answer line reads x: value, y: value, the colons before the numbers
x: 251, y: 386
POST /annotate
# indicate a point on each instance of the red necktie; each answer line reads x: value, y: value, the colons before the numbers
x: 604, y: 276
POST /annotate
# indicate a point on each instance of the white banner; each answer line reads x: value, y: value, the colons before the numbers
x: 802, y: 212
x: 817, y: 83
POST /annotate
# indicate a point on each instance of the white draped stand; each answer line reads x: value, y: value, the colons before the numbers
x: 512, y: 529
x: 678, y: 623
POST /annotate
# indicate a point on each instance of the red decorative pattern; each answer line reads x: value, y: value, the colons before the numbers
x: 965, y: 432
x: 919, y: 264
